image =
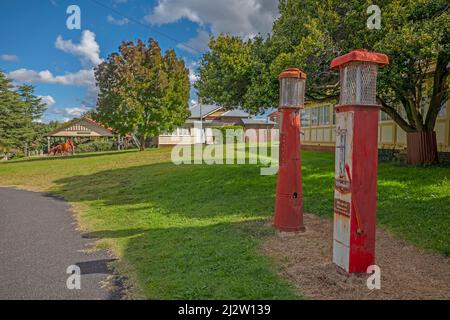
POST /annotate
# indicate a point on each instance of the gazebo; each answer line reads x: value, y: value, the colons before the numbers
x: 84, y: 127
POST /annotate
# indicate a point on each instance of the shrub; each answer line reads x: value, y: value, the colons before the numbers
x: 94, y: 146
x: 229, y: 131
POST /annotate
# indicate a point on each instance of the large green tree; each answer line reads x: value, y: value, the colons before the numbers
x: 142, y: 91
x: 309, y: 34
x: 33, y: 109
x: 19, y: 108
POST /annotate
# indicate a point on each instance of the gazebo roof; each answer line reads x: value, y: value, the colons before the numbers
x: 83, y: 127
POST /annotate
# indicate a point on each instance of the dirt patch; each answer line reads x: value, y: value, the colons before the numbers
x: 406, y: 271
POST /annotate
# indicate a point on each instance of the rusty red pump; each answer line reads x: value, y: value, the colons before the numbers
x: 355, y: 195
x: 289, y: 197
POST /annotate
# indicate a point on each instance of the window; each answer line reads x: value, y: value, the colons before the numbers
x: 314, y: 116
x: 180, y: 132
x: 320, y: 116
x: 183, y: 132
x: 305, y: 117
x: 326, y: 115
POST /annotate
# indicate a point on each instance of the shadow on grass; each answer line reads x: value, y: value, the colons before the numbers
x: 218, y: 261
x: 68, y: 157
x: 190, y: 190
x: 195, y: 231
x: 190, y: 232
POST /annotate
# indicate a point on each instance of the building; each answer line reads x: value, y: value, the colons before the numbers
x: 318, y: 127
x: 79, y: 128
x: 198, y: 127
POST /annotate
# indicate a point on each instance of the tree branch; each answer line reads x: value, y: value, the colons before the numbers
x: 395, y: 116
x: 439, y: 94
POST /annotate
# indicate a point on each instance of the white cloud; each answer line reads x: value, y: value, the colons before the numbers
x: 8, y: 57
x: 245, y: 18
x: 118, y: 22
x: 48, y: 100
x: 81, y: 78
x: 74, y: 112
x: 66, y: 114
x: 192, y: 66
x: 87, y: 50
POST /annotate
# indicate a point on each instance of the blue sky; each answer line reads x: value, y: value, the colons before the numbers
x: 37, y: 47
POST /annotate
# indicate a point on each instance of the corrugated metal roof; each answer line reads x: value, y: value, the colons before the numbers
x: 205, y: 109
x: 236, y: 113
x: 257, y: 121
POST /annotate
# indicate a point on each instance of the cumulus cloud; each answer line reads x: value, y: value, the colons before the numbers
x: 192, y: 66
x: 87, y: 50
x: 245, y: 18
x: 72, y: 112
x: 66, y: 114
x: 8, y: 57
x: 48, y: 100
x: 81, y: 78
x: 118, y: 22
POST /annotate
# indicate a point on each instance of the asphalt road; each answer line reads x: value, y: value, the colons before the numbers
x: 38, y: 242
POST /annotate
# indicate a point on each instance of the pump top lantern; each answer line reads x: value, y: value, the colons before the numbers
x: 292, y: 88
x: 358, y: 74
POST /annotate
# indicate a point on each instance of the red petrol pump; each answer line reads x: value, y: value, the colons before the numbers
x: 289, y: 197
x: 356, y: 160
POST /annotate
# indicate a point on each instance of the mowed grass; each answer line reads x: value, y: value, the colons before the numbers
x: 196, y: 231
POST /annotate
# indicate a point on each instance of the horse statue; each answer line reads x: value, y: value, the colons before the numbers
x: 64, y: 148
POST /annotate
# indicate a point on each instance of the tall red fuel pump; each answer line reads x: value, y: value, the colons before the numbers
x: 289, y: 198
x: 356, y: 165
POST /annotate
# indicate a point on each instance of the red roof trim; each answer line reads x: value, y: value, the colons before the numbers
x: 360, y: 55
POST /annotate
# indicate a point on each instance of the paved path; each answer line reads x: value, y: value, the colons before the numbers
x: 38, y: 242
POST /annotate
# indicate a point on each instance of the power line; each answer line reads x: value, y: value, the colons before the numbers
x: 144, y: 25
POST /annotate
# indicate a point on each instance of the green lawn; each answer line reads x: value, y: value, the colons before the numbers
x: 196, y: 231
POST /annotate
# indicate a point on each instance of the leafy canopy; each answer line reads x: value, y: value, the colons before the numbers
x: 19, y: 108
x: 308, y: 34
x: 142, y: 91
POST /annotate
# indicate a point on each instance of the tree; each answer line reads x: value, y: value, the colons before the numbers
x: 235, y: 73
x: 18, y: 109
x: 225, y: 71
x: 309, y: 34
x: 33, y: 109
x: 142, y: 91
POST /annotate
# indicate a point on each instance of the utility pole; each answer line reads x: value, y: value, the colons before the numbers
x: 201, y: 118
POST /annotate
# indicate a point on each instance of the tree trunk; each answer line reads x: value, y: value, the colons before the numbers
x: 142, y: 141
x: 422, y: 147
